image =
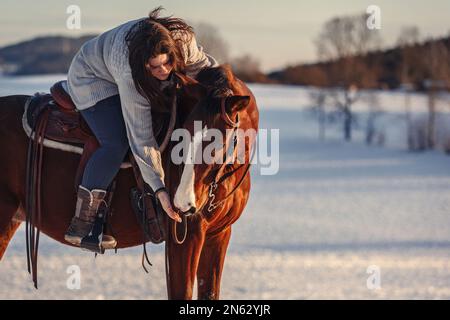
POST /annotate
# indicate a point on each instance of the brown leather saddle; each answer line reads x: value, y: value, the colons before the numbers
x: 54, y: 117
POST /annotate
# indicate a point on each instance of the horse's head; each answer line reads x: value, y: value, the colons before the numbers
x: 218, y: 115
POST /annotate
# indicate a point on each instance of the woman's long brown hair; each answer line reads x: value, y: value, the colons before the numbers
x: 149, y: 38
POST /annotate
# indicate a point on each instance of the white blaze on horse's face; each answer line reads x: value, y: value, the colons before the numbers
x: 185, y: 195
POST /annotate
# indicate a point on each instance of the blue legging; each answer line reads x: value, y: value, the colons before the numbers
x: 106, y: 121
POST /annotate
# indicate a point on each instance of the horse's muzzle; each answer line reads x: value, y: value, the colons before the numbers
x: 189, y: 212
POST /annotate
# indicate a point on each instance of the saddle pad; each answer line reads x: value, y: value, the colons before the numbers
x: 56, y: 144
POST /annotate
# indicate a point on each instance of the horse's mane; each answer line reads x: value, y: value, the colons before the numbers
x: 220, y: 80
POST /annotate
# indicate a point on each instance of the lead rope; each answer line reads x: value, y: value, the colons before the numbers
x: 183, y: 220
x: 167, y: 262
x: 144, y: 257
x: 175, y: 231
x: 166, y: 250
x: 167, y: 231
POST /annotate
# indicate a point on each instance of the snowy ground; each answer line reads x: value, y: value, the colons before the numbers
x: 334, y: 211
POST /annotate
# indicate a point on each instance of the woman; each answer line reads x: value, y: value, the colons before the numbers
x: 114, y: 80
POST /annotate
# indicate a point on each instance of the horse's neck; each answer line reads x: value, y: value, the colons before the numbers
x: 185, y: 105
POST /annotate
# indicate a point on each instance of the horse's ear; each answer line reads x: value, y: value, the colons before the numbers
x: 191, y: 87
x: 236, y: 103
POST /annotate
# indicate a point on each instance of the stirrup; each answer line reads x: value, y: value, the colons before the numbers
x: 97, y: 241
x: 90, y: 244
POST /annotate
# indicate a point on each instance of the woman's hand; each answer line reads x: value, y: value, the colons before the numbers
x: 164, y: 199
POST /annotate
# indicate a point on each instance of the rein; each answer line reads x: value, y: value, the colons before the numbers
x: 33, y: 193
x: 217, y: 181
x: 214, y: 185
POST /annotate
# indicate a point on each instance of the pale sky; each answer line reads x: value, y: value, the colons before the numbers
x: 277, y: 33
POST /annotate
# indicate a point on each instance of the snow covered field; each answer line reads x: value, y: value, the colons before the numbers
x: 333, y: 212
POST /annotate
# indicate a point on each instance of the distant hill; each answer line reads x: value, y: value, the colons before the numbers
x: 387, y: 69
x: 43, y: 55
x: 53, y: 54
x: 382, y: 69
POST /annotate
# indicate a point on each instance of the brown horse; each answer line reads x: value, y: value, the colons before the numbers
x: 203, y: 252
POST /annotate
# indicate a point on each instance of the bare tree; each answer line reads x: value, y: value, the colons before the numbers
x: 343, y: 43
x: 210, y: 38
x: 345, y: 37
x: 407, y: 41
x: 318, y: 99
x: 245, y: 64
x: 408, y: 36
x: 247, y: 68
x: 437, y: 57
x: 344, y: 98
x: 372, y: 130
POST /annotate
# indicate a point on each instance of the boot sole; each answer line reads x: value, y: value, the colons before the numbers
x: 76, y: 241
x: 109, y: 245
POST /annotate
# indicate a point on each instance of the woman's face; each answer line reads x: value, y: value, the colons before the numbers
x: 160, y: 66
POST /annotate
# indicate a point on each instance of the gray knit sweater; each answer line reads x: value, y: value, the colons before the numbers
x: 101, y: 69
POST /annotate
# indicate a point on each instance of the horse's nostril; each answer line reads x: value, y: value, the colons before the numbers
x: 192, y: 210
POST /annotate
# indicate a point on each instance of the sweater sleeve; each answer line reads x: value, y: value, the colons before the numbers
x: 196, y: 58
x: 138, y: 122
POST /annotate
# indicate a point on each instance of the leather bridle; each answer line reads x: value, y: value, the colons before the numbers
x: 218, y: 180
